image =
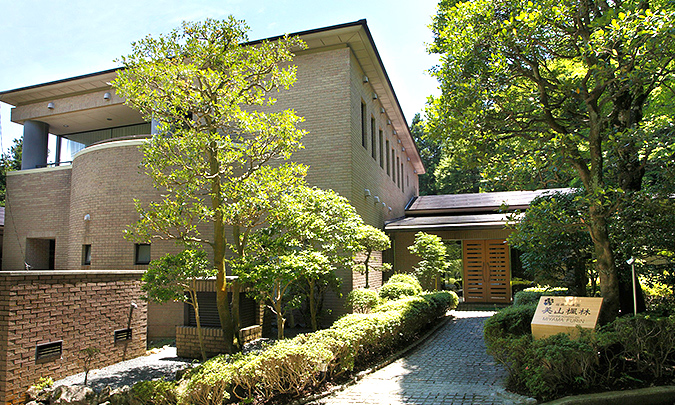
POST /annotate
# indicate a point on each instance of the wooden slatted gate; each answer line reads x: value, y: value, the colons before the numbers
x: 487, y: 271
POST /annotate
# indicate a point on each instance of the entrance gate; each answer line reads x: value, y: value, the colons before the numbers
x: 487, y: 271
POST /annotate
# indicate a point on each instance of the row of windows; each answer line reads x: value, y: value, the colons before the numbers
x: 391, y: 163
x: 141, y: 254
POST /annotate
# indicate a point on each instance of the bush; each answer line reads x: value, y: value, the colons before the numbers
x: 394, y: 291
x: 519, y: 284
x: 531, y: 295
x: 295, y: 366
x: 513, y: 321
x: 156, y: 392
x: 407, y: 279
x: 362, y: 300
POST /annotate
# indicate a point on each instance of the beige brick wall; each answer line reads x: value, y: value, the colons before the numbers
x: 187, y: 340
x: 82, y: 310
x: 38, y: 202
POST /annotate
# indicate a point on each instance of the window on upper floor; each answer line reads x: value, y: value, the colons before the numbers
x: 364, y: 135
x: 388, y: 160
x: 399, y: 166
x: 373, y: 145
x: 402, y: 185
x: 381, y: 137
x: 142, y: 253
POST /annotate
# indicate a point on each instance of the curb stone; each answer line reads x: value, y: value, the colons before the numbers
x: 390, y: 359
x: 643, y: 396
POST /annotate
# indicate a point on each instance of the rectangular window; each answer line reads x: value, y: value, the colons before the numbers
x: 402, y: 184
x: 388, y: 160
x: 373, y: 146
x: 398, y: 174
x: 51, y: 350
x: 364, y: 131
x: 142, y: 255
x: 86, y: 255
x: 393, y: 165
x: 381, y: 149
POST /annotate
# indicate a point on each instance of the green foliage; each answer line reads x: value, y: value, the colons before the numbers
x: 513, y: 321
x: 362, y: 300
x: 433, y: 254
x: 9, y: 162
x: 430, y: 151
x: 168, y: 278
x: 395, y: 291
x: 407, y: 279
x: 155, y: 392
x: 556, y: 247
x: 370, y: 239
x: 627, y: 350
x: 518, y: 284
x: 531, y: 295
x: 209, y: 92
x: 42, y: 383
x: 547, y: 94
x: 295, y: 366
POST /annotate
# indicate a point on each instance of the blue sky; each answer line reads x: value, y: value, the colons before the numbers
x: 46, y: 40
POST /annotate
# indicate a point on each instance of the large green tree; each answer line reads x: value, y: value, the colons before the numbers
x: 576, y: 85
x: 219, y: 156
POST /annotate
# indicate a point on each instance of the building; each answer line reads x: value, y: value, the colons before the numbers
x: 69, y: 215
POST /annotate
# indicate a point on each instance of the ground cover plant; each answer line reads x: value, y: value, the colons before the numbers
x: 629, y: 352
x: 292, y: 368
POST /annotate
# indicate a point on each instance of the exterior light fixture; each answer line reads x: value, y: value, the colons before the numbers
x: 388, y: 122
x: 366, y: 193
x: 374, y: 96
x: 365, y: 79
x: 384, y: 205
x: 381, y: 110
x: 415, y: 171
x: 50, y: 105
x: 402, y: 148
x: 87, y: 217
x: 408, y: 159
x: 106, y: 96
x: 377, y: 199
x: 389, y: 209
x: 399, y: 141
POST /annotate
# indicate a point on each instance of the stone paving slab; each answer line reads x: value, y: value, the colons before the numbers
x: 449, y: 368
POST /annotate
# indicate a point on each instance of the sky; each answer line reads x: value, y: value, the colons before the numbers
x: 47, y: 40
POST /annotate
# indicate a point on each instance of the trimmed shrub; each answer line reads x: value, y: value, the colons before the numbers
x: 407, y: 279
x: 513, y: 321
x: 362, y: 300
x: 293, y: 367
x: 394, y: 291
x: 531, y: 295
x: 519, y: 284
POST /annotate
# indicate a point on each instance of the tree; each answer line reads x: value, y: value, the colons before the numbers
x: 317, y: 221
x: 9, y: 162
x: 577, y: 85
x: 371, y: 239
x: 213, y: 156
x: 556, y: 248
x: 432, y: 251
x: 174, y: 278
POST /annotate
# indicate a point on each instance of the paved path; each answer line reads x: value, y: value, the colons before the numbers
x: 451, y: 367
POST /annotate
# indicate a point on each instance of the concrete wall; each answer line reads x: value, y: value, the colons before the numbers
x: 81, y: 309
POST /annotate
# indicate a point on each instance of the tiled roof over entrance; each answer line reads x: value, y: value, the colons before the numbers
x: 464, y: 211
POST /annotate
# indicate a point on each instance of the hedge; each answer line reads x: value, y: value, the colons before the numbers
x: 293, y: 367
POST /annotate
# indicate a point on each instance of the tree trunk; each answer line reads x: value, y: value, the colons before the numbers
x: 312, y: 306
x: 236, y: 322
x: 609, y: 281
x: 219, y: 246
x: 195, y: 306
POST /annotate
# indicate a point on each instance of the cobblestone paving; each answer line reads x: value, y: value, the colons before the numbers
x: 451, y: 367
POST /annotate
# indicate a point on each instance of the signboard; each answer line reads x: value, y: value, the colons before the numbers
x: 563, y: 314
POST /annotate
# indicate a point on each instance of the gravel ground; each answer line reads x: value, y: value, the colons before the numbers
x: 161, y: 364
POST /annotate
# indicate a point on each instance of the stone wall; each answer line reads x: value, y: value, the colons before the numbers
x: 79, y: 309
